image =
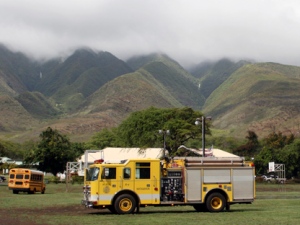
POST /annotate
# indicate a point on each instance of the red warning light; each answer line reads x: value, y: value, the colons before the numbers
x: 98, y: 161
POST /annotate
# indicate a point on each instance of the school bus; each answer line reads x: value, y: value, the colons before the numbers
x: 26, y: 180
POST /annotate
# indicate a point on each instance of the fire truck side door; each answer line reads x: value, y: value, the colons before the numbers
x: 146, y: 182
x: 108, y: 184
x: 128, y: 182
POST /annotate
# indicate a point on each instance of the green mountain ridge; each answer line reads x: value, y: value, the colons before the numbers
x: 89, y: 91
x: 37, y: 105
x: 212, y: 75
x: 19, y: 69
x: 81, y: 74
x: 263, y: 97
x: 14, y: 117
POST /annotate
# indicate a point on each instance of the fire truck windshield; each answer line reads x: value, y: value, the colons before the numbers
x: 92, y: 173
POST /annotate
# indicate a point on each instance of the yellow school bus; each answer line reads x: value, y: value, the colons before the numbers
x: 26, y: 180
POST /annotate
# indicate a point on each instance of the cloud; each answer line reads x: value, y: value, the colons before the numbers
x: 188, y: 31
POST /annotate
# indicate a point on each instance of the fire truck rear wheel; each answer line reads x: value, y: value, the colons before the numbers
x: 215, y: 202
x: 125, y: 204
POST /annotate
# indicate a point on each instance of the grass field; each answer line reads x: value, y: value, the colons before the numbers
x: 275, y: 204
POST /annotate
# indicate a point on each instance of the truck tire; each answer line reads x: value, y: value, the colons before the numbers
x: 125, y: 204
x: 215, y: 202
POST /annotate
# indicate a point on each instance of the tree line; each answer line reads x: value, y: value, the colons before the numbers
x: 141, y: 129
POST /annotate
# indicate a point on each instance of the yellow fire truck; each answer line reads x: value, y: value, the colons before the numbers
x: 207, y: 184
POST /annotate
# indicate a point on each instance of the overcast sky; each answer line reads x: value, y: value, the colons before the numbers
x: 189, y: 31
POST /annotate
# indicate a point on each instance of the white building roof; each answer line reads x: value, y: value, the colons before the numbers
x: 9, y: 160
x: 111, y: 155
x: 222, y: 154
x: 4, y: 159
x: 115, y: 155
x: 211, y: 152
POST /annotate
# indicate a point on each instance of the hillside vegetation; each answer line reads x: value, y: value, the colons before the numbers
x: 79, y: 76
x: 89, y: 91
x: 14, y: 117
x: 212, y: 74
x: 263, y: 97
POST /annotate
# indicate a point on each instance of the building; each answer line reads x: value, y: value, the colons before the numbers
x: 115, y: 155
x: 9, y: 161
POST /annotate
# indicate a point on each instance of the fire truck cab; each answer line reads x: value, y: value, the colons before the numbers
x: 207, y: 184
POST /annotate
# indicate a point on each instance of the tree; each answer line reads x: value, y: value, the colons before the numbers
x: 77, y: 149
x: 278, y: 140
x: 252, y: 138
x: 7, y: 166
x: 182, y: 129
x: 2, y: 150
x: 262, y: 160
x: 104, y: 138
x: 224, y: 142
x: 11, y: 150
x: 290, y: 156
x: 250, y: 148
x: 278, y: 148
x: 52, y: 152
x: 141, y: 128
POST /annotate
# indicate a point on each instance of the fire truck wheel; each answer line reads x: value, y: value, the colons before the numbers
x: 215, y: 202
x: 125, y: 204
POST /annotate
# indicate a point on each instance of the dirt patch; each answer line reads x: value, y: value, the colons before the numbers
x: 21, y: 216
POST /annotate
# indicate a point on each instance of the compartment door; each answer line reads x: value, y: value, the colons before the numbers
x: 193, y: 182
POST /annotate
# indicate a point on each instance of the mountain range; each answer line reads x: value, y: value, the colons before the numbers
x: 88, y: 91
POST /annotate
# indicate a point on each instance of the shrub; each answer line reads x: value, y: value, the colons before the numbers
x: 54, y: 179
x: 77, y: 179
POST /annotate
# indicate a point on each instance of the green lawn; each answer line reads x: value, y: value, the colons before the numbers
x: 275, y: 204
